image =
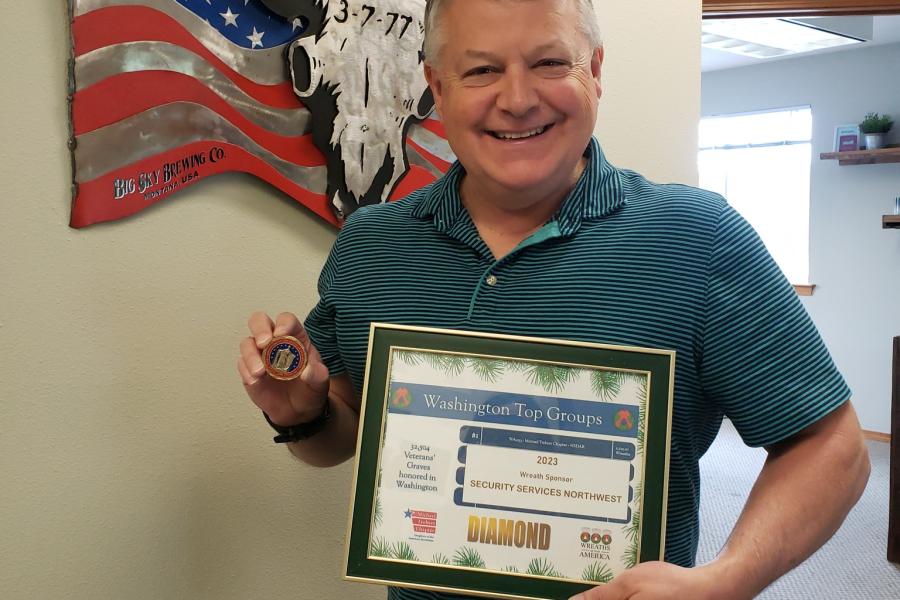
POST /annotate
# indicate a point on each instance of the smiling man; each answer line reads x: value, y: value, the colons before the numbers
x: 533, y: 232
x: 518, y: 95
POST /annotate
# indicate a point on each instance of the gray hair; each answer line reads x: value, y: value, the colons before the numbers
x: 587, y: 24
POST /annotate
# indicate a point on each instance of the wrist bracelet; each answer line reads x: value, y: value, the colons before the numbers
x: 301, y: 431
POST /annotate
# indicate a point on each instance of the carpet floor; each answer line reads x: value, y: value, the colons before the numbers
x: 851, y: 566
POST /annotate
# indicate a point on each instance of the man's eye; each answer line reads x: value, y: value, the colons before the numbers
x: 479, y: 71
x: 551, y: 62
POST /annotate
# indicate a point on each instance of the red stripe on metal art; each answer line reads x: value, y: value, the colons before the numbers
x: 121, y: 96
x: 120, y: 24
x: 96, y: 202
x: 440, y: 163
x: 435, y: 127
x: 414, y: 179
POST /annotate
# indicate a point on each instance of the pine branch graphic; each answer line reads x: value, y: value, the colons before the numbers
x: 542, y: 566
x: 642, y: 411
x: 607, y: 384
x: 550, y: 377
x: 468, y: 557
x: 487, y: 369
x: 599, y: 572
x: 435, y: 360
x: 378, y: 515
x: 642, y: 383
x: 380, y: 548
x: 403, y: 551
x: 630, y: 558
x: 451, y: 364
x: 631, y: 531
x: 440, y: 559
x: 410, y: 358
x: 454, y: 365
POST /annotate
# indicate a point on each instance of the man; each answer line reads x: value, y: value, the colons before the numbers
x: 534, y: 233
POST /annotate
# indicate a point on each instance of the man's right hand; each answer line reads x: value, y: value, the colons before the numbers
x: 285, y: 402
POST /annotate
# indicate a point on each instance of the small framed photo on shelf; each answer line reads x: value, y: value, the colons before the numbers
x: 846, y: 138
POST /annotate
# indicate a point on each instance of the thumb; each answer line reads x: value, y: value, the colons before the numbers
x: 315, y: 374
x: 595, y: 593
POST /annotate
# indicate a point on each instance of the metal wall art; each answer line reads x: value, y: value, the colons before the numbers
x: 323, y: 99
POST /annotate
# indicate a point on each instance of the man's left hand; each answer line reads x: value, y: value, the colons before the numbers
x: 658, y: 581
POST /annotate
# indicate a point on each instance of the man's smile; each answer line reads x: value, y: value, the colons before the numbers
x: 519, y: 135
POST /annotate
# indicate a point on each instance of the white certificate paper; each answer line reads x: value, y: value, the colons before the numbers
x: 510, y: 466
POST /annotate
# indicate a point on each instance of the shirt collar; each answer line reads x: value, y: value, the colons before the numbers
x: 597, y: 193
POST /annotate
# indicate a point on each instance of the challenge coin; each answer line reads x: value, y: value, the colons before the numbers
x: 284, y: 357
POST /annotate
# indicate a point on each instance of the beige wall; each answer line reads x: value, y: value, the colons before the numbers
x: 133, y: 465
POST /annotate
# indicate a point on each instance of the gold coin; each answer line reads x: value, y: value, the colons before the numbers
x: 284, y: 357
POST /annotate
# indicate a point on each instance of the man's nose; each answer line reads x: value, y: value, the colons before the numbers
x: 517, y: 94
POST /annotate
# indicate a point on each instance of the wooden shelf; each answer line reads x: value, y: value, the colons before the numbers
x: 864, y: 157
x: 890, y: 221
x: 793, y: 8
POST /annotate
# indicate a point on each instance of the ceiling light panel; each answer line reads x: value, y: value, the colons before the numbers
x: 766, y: 38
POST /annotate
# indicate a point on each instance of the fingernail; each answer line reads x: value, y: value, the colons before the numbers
x: 264, y: 340
x: 578, y: 597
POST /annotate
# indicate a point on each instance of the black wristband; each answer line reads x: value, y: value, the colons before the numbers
x: 302, y: 431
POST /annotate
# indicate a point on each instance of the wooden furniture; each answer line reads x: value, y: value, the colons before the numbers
x: 893, y: 543
x: 864, y: 157
x: 890, y: 222
x: 782, y: 8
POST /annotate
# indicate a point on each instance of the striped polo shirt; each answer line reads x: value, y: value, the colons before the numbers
x: 623, y: 261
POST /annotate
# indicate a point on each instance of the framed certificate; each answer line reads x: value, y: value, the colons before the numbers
x: 508, y: 466
x: 846, y: 138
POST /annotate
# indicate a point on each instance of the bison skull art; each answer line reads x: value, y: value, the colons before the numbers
x: 358, y: 69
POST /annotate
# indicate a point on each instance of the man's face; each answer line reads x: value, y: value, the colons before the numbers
x: 516, y: 86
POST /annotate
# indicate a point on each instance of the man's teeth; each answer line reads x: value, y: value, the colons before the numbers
x: 518, y: 136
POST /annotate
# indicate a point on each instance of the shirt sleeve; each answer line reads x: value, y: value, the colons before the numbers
x: 762, y: 359
x: 320, y: 324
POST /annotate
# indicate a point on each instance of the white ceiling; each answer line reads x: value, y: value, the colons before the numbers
x: 886, y: 30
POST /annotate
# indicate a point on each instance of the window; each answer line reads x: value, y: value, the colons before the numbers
x: 760, y: 162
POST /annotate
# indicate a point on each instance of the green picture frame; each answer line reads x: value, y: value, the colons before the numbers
x: 637, y: 522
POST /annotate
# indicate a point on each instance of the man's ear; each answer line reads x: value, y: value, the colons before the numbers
x: 596, y: 67
x: 434, y: 82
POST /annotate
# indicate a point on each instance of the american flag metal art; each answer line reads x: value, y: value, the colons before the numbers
x: 323, y: 99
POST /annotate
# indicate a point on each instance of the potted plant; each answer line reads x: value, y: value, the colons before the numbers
x: 874, y: 127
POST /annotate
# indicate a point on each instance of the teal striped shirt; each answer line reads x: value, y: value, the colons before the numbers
x: 623, y: 261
